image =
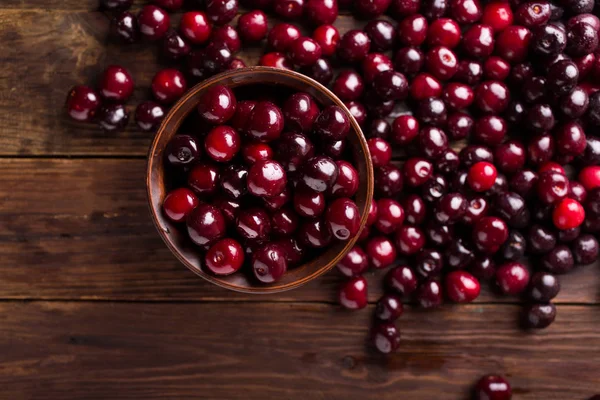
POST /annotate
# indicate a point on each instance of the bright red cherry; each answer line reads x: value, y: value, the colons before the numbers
x: 409, y: 239
x: 462, y: 287
x: 444, y: 32
x: 353, y: 293
x: 224, y: 257
x: 222, y: 143
x: 381, y: 252
x: 195, y: 27
x: 116, y: 84
x: 328, y: 37
x: 275, y: 60
x: 568, y: 214
x: 252, y: 26
x: 253, y: 152
x: 512, y: 44
x: 354, y: 263
x: 489, y: 233
x: 265, y: 122
x: 589, y: 177
x: 343, y: 218
x: 412, y: 30
x: 425, y: 85
x: 498, y: 15
x: 282, y: 35
x: 179, y: 203
x: 168, y: 85
x: 482, y: 176
x: 304, y: 52
x: 390, y: 215
x: 346, y: 184
x: 404, y: 129
x: 381, y: 151
x: 217, y: 105
x: 321, y: 12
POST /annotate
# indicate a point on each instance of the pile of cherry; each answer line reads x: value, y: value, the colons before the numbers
x: 516, y: 83
x: 274, y: 192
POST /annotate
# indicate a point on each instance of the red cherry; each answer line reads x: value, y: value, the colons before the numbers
x: 195, y: 27
x: 462, y: 287
x: 275, y: 60
x: 116, y: 84
x: 589, y: 177
x: 224, y: 257
x: 168, y: 85
x: 381, y: 252
x: 568, y: 214
x: 328, y: 37
x: 353, y: 293
x: 222, y: 143
x: 498, y: 15
x: 482, y: 176
x: 82, y: 103
x: 179, y: 203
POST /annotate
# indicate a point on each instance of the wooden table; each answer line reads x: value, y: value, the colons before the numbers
x: 95, y: 307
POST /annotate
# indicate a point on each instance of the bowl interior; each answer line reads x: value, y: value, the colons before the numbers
x: 177, y: 241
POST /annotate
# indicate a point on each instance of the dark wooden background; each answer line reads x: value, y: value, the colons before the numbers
x: 93, y: 305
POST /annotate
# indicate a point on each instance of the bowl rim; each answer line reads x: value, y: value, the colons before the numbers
x: 152, y: 160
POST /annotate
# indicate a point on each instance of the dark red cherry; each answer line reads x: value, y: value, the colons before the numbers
x: 148, y: 115
x: 429, y: 294
x: 276, y: 202
x: 354, y: 263
x: 112, y: 117
x: 300, y: 111
x: 444, y: 32
x: 253, y: 152
x: 346, y: 184
x: 539, y: 316
x: 321, y: 12
x: 308, y: 203
x: 275, y: 60
x: 233, y: 181
x: 462, y: 287
x: 493, y: 387
x: 116, y: 84
x: 543, y: 287
x: 343, y: 218
x: 348, y: 85
x: 293, y: 149
x: 284, y: 221
x: 433, y: 142
x: 385, y: 337
x: 512, y: 44
x: 381, y: 252
x: 388, y: 180
x: 321, y: 71
x: 195, y: 27
x: 489, y: 234
x: 380, y: 150
x: 382, y: 34
x: 125, y: 27
x: 304, y: 51
x: 552, y: 187
x: 425, y: 85
x: 205, y: 224
x: 154, y: 22
x: 265, y: 122
x: 266, y: 178
x: 82, y: 103
x: 327, y: 37
x: 269, y: 263
x: 492, y: 96
x: 404, y: 129
x: 512, y: 278
x: 281, y: 36
x: 353, y: 293
x: 401, y: 279
x: 217, y: 105
x: 409, y: 239
x: 354, y: 45
x: 221, y: 11
x: 390, y: 215
x: 203, y: 179
x: 227, y: 35
x: 253, y: 224
x: 314, y: 233
x: 374, y: 64
x: 409, y: 60
x: 319, y: 173
x: 168, y: 85
x: 478, y: 41
x: 389, y: 308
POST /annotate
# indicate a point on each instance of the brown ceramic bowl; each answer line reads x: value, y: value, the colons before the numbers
x: 177, y: 241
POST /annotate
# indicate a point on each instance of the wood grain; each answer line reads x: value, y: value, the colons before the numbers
x: 81, y: 229
x: 85, y: 350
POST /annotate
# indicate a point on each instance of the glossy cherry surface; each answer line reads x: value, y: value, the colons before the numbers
x: 179, y: 203
x: 82, y: 103
x: 205, y: 224
x: 353, y: 293
x: 269, y: 263
x: 217, y: 105
x: 153, y: 22
x: 224, y: 257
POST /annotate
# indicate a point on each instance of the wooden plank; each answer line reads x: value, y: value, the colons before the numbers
x: 295, y: 351
x: 46, y: 53
x: 80, y: 229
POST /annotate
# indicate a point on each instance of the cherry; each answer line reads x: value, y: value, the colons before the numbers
x: 276, y: 202
x: 354, y: 263
x: 171, y: 5
x: 354, y: 46
x: 253, y: 224
x: 429, y: 294
x: 512, y: 278
x: 348, y: 85
x: 469, y: 72
x: 308, y: 203
x: 390, y: 215
x: 168, y: 85
x: 478, y: 41
x: 493, y: 387
x: 385, y: 337
x: 401, y: 279
x: 284, y: 221
x: 319, y: 173
x: 125, y: 27
x: 404, y: 129
x: 253, y: 152
x: 510, y: 156
x: 182, y: 150
x: 221, y: 11
x: 304, y: 51
x: 321, y: 12
x: 568, y: 214
x: 440, y: 235
x: 552, y: 187
x: 343, y: 218
x: 409, y: 239
x: 434, y: 9
x: 224, y: 257
x: 497, y: 15
x: 265, y: 122
x: 401, y: 8
x: 380, y: 251
x: 417, y: 171
x: 585, y: 249
x: 482, y: 176
x: 459, y: 125
x: 424, y: 86
x: 314, y: 233
x: 443, y: 32
x: 233, y: 181
x: 450, y: 208
x: 483, y: 268
x: 496, y: 68
x: 82, y: 103
x: 282, y: 35
x: 353, y: 293
x: 346, y: 184
x: 415, y: 209
x: 116, y: 84
x: 549, y: 40
x: 382, y: 34
x: 327, y: 37
x: 266, y: 178
x: 217, y: 57
x: 148, y: 115
x: 289, y: 9
x: 458, y: 95
x: 195, y: 27
x: 492, y: 96
x: 321, y: 71
x: 412, y: 30
x: 293, y: 149
x: 589, y: 177
x: 179, y: 203
x: 252, y: 26
x: 389, y: 308
x: 541, y: 239
x: 275, y: 60
x: 228, y: 36
x: 374, y: 64
x: 217, y: 105
x: 112, y: 117
x: 489, y: 234
x: 539, y: 316
x: 154, y: 22
x: 203, y: 179
x: 409, y: 60
x: 357, y: 110
x: 371, y: 8
x: 205, y: 224
x: 269, y: 263
x: 582, y: 39
x: 461, y: 287
x: 433, y: 142
x: 300, y: 111
x: 533, y: 14
x: 512, y: 43
x: 543, y: 287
